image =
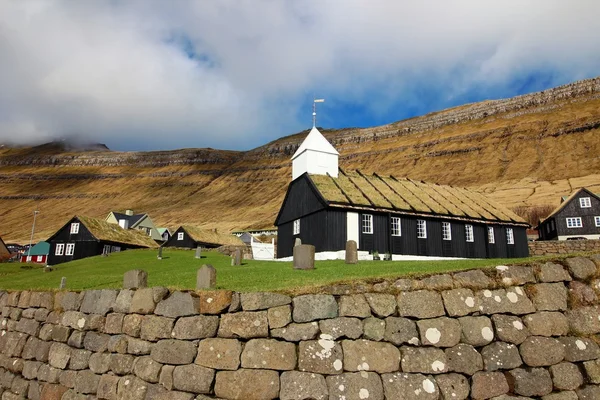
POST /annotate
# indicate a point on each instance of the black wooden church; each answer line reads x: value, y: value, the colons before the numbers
x: 325, y: 206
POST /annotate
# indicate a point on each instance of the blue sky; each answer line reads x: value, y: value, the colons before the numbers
x: 155, y: 75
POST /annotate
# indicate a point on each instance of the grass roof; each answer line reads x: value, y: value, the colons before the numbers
x: 105, y: 231
x: 213, y: 237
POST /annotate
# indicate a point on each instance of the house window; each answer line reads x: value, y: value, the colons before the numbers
x: 60, y: 249
x: 597, y: 221
x: 296, y: 227
x: 115, y: 249
x: 180, y: 236
x: 491, y: 237
x: 469, y: 233
x: 106, y: 249
x: 421, y: 229
x: 39, y: 258
x: 446, y: 231
x: 585, y: 202
x: 510, y: 238
x: 367, y: 223
x: 74, y: 228
x: 574, y: 222
x: 70, y: 249
x: 396, y: 226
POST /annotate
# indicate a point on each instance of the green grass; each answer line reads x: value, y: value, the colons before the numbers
x: 178, y: 270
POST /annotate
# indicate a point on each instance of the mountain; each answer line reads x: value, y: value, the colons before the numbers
x: 523, y: 151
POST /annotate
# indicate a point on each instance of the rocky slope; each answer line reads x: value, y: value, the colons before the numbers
x: 527, y: 150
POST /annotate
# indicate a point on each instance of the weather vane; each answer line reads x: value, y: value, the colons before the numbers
x: 315, y: 101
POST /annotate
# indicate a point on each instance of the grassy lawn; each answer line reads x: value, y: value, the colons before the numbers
x: 178, y: 270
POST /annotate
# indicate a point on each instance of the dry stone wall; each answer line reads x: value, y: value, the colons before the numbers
x: 519, y: 331
x: 560, y: 247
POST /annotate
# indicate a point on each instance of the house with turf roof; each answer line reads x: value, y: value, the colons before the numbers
x: 129, y: 220
x: 577, y: 217
x: 190, y: 237
x: 37, y: 254
x: 4, y: 252
x: 399, y: 217
x: 83, y: 237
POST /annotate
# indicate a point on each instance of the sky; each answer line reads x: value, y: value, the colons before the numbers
x: 160, y: 75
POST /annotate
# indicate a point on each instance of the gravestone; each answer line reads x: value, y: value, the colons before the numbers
x: 199, y: 252
x: 134, y: 279
x: 159, y: 256
x: 237, y: 257
x: 63, y: 282
x: 304, y: 256
x: 206, y: 277
x: 297, y: 242
x: 351, y: 252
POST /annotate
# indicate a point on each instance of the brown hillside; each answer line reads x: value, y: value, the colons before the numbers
x: 528, y: 150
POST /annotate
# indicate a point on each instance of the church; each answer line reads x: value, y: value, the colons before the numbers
x: 399, y: 218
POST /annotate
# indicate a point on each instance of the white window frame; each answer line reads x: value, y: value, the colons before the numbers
x: 296, y: 227
x: 469, y: 235
x: 491, y: 237
x: 39, y: 258
x: 74, y: 228
x: 510, y: 236
x: 421, y: 229
x: 106, y: 249
x: 574, y: 222
x: 597, y: 221
x: 115, y: 249
x: 179, y: 235
x: 70, y: 249
x: 366, y: 225
x: 60, y: 249
x: 396, y: 225
x: 446, y: 231
x: 585, y: 202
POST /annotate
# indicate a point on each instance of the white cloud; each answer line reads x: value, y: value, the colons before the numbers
x: 120, y: 72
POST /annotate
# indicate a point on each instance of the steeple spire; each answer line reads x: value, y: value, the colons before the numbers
x: 315, y: 101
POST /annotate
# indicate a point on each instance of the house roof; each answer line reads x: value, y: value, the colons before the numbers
x: 211, y: 236
x: 40, y: 249
x: 105, y: 231
x: 357, y: 190
x: 567, y: 199
x: 133, y: 219
x: 315, y: 141
x: 3, y: 249
x: 163, y: 230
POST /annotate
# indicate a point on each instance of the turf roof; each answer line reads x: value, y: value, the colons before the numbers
x: 105, y: 231
x: 212, y: 237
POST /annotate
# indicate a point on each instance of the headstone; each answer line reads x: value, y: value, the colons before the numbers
x: 297, y: 242
x: 159, y: 256
x: 134, y: 279
x: 63, y: 282
x: 237, y: 257
x: 206, y: 278
x: 304, y: 256
x: 199, y: 251
x: 351, y: 252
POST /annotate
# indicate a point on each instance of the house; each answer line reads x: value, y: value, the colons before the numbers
x: 164, y: 233
x: 83, y: 237
x: 4, y: 251
x: 326, y: 206
x: 190, y: 237
x: 578, y: 216
x: 129, y: 220
x: 37, y: 254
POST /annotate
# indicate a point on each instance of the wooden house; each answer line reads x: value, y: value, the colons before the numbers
x: 4, y: 252
x: 164, y: 233
x: 37, y: 254
x: 129, y: 220
x: 577, y: 217
x: 187, y: 236
x: 83, y: 237
x: 325, y: 206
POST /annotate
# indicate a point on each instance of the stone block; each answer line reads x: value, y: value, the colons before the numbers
x: 304, y: 256
x: 165, y: 379
x: 30, y: 369
x: 439, y: 332
x: 96, y: 342
x: 425, y: 360
x: 59, y: 355
x: 178, y: 304
x: 159, y: 293
x: 67, y: 378
x: 142, y: 301
x: 589, y: 392
x: 453, y: 386
x: 154, y: 328
x: 138, y: 346
x: 592, y: 370
x: 401, y: 386
x: 193, y: 378
x: 500, y: 355
x: 485, y: 385
x: 19, y: 386
x: 463, y: 358
x: 401, y: 330
x: 581, y: 294
x: 123, y: 301
x: 132, y: 324
x: 107, y: 387
x: 28, y: 326
x: 297, y: 332
x: 460, y: 302
x: 114, y: 323
x: 176, y: 352
x: 580, y: 348
x: 584, y: 320
x: 87, y: 382
x: 217, y: 353
x: 41, y: 314
x: 269, y: 354
x: 350, y: 386
x: 354, y: 305
x: 297, y: 385
x: 420, y: 304
x: 581, y: 268
x: 366, y: 355
x: 48, y: 374
x: 279, y: 316
x: 515, y: 275
x: 476, y: 331
x: 511, y: 300
x: 131, y: 388
x: 530, y: 382
x: 552, y: 272
x: 549, y: 296
x: 323, y: 356
x: 247, y: 384
x: 14, y: 343
x: 510, y: 328
x: 351, y: 328
x: 214, y: 301
x: 245, y: 324
x: 547, y: 323
x: 263, y: 300
x: 566, y: 376
x: 135, y: 279
x: 52, y: 392
x: 147, y: 369
x: 99, y: 363
x: 474, y: 279
x: 351, y: 255
x: 373, y: 329
x: 121, y: 364
x: 61, y: 333
x: 313, y: 307
x: 79, y: 359
x: 436, y: 282
x: 381, y: 304
x: 539, y: 351
x: 566, y: 395
x: 197, y: 327
x: 99, y: 302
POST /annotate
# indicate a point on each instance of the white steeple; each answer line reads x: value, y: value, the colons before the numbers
x: 315, y: 155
